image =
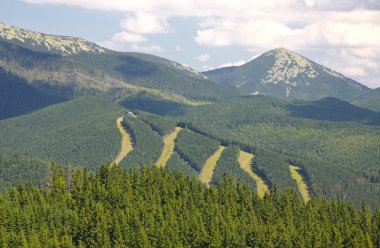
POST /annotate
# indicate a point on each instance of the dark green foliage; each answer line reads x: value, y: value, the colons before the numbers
x: 147, y: 144
x: 228, y: 165
x: 163, y: 126
x: 18, y: 97
x: 250, y: 78
x: 151, y: 104
x: 155, y: 208
x: 265, y: 125
x: 195, y: 148
x: 16, y: 169
x: 82, y: 132
x: 273, y: 168
x: 177, y: 164
x: 332, y: 109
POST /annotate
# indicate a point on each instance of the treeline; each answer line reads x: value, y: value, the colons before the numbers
x: 151, y: 207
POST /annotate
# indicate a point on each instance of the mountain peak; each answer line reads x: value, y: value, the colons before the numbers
x: 288, y: 67
x: 63, y: 45
x: 287, y: 74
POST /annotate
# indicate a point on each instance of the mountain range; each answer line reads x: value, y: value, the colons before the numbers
x: 61, y: 97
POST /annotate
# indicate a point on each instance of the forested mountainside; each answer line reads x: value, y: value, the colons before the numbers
x: 337, y: 148
x: 56, y: 68
x: 82, y: 132
x: 286, y: 74
x: 17, y: 97
x: 336, y: 144
x: 156, y: 208
x: 370, y: 100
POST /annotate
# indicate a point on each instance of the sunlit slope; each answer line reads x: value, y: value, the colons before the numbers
x: 126, y: 142
x: 245, y: 161
x: 302, y: 187
x: 167, y: 152
x: 78, y: 132
x: 205, y: 175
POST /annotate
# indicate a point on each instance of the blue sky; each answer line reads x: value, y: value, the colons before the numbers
x: 205, y: 34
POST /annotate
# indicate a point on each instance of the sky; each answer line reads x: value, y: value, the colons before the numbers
x: 343, y: 35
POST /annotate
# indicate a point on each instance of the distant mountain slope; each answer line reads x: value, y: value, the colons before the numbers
x: 332, y: 109
x: 286, y: 74
x: 68, y: 67
x: 18, y: 97
x: 369, y: 100
x: 40, y: 42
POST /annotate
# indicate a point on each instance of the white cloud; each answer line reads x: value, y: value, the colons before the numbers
x: 146, y: 49
x: 353, y: 72
x: 128, y: 37
x: 145, y: 23
x: 235, y: 63
x: 204, y: 57
x: 134, y: 47
x: 178, y: 48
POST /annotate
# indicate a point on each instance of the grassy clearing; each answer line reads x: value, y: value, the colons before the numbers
x: 126, y: 142
x: 245, y: 160
x: 302, y: 187
x: 205, y: 175
x: 168, y: 147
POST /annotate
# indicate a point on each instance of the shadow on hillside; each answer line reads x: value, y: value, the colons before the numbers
x: 154, y: 105
x: 332, y: 109
x: 134, y: 67
x: 17, y: 97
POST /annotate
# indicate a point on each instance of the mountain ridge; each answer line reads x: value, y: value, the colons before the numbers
x: 286, y: 74
x: 40, y: 42
x: 73, y: 70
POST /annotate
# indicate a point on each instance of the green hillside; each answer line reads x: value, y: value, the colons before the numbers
x: 82, y: 132
x: 370, y: 100
x: 286, y: 74
x: 337, y: 144
x: 18, y: 97
x: 86, y: 69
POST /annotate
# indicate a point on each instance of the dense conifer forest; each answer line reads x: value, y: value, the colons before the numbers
x: 151, y: 207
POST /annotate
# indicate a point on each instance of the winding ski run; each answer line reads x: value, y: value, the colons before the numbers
x: 302, y: 187
x: 126, y: 142
x: 245, y: 161
x: 205, y: 175
x: 168, y: 150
